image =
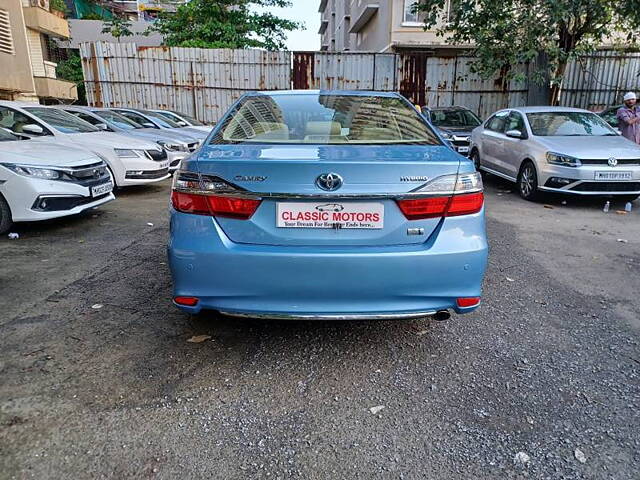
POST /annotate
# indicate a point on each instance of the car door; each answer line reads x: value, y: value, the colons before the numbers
x: 492, y: 139
x: 511, y: 153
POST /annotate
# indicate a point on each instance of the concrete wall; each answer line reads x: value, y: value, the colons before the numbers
x: 91, y: 31
x: 15, y: 74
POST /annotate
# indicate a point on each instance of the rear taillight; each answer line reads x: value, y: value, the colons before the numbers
x: 468, y: 302
x: 196, y: 194
x: 453, y: 195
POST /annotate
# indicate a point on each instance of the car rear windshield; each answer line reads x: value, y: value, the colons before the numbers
x: 62, y: 121
x: 118, y: 120
x: 568, y: 124
x: 325, y: 120
x: 454, y: 118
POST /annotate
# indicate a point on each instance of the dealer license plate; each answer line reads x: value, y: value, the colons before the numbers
x: 351, y: 215
x: 463, y: 149
x: 101, y: 189
x: 614, y: 176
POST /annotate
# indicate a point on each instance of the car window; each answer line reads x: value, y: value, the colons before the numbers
x: 454, y: 118
x: 515, y: 122
x: 14, y: 120
x: 568, y: 124
x: 62, y: 121
x: 497, y: 122
x: 6, y: 136
x: 190, y: 119
x: 611, y: 117
x: 137, y: 118
x: 324, y: 119
x: 86, y: 117
x: 160, y: 120
x: 117, y: 119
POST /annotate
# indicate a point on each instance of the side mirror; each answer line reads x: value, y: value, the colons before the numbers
x: 32, y: 129
x: 102, y: 126
x: 515, y: 134
x: 148, y: 125
x: 182, y: 123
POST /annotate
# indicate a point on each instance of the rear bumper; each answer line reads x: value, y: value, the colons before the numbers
x: 326, y: 282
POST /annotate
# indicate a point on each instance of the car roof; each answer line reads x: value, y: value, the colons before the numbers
x: 543, y: 109
x: 453, y: 107
x: 354, y: 93
x: 18, y: 104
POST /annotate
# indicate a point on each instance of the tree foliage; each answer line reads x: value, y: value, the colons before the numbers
x: 117, y: 27
x: 225, y: 24
x: 507, y: 32
x: 71, y: 70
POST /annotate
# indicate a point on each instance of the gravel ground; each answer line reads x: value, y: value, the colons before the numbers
x: 541, y: 382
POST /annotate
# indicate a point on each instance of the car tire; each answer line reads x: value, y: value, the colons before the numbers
x: 475, y: 158
x: 113, y: 178
x: 5, y: 216
x: 528, y: 182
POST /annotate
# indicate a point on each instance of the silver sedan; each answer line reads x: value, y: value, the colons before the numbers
x: 556, y: 149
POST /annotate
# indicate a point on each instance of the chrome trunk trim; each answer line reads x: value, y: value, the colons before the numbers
x: 338, y: 316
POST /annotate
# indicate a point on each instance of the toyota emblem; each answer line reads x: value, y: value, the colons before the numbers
x: 613, y: 161
x: 329, y: 181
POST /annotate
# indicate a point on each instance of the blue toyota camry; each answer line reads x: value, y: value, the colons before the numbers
x: 327, y: 205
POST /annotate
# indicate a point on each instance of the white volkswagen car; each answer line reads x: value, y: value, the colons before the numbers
x: 131, y: 161
x: 44, y: 180
x: 557, y: 149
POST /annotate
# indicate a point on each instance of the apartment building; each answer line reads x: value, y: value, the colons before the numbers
x: 27, y: 28
x: 375, y: 26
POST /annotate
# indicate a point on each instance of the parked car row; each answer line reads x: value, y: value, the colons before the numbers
x: 546, y: 149
x: 58, y: 161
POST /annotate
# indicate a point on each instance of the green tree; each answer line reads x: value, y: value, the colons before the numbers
x: 71, y: 70
x: 225, y: 24
x: 549, y: 32
x: 117, y: 27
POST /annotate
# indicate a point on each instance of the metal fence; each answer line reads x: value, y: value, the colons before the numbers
x: 199, y: 82
x: 204, y: 82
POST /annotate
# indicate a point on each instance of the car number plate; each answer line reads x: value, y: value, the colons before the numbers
x: 164, y: 164
x: 614, y: 176
x: 349, y: 215
x: 463, y: 149
x: 101, y: 189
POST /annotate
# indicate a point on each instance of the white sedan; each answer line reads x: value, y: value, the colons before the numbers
x: 132, y: 161
x: 44, y: 180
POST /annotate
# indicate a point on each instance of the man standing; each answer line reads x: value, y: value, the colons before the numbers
x: 629, y: 118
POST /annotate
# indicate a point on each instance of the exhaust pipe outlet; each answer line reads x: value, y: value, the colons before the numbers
x: 442, y: 315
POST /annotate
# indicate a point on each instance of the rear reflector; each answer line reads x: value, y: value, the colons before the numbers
x: 466, y: 302
x: 434, y: 207
x: 186, y: 301
x: 218, y: 206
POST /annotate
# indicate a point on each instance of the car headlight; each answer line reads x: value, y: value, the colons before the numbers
x: 173, y: 147
x: 36, y: 172
x: 447, y: 136
x: 125, y: 153
x: 563, y: 160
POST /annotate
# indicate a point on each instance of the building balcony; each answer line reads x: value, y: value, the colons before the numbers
x: 54, y: 88
x: 323, y: 5
x: 323, y: 26
x: 362, y: 15
x: 44, y: 21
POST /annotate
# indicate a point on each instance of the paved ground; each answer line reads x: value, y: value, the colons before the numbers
x: 549, y: 366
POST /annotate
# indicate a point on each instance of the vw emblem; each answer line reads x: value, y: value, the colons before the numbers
x: 329, y: 181
x: 613, y: 161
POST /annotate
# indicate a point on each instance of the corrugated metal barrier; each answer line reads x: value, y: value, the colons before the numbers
x: 205, y: 82
x: 198, y: 82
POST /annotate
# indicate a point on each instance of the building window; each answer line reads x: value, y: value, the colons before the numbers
x: 413, y: 18
x: 6, y: 39
x: 410, y: 14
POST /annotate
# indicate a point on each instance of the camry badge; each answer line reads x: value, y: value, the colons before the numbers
x: 613, y: 161
x: 329, y: 181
